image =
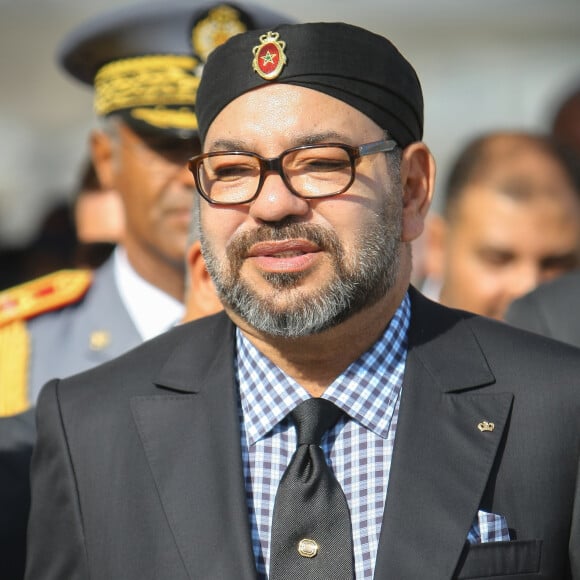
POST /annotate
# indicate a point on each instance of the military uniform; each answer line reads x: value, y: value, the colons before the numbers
x: 73, y: 320
x: 144, y: 63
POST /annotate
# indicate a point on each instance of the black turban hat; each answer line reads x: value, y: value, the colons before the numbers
x: 352, y: 64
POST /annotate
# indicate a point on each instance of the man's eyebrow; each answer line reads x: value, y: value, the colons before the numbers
x: 227, y: 145
x: 315, y: 138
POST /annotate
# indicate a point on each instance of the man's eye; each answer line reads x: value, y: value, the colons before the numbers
x: 233, y: 172
x: 320, y: 164
x: 495, y: 258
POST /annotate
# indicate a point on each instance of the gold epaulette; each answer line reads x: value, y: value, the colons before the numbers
x: 17, y: 305
x: 14, y: 360
x: 43, y: 294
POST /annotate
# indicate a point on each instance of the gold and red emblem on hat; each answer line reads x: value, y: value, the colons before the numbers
x: 269, y: 57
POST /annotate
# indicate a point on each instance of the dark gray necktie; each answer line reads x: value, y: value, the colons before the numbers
x: 311, y: 531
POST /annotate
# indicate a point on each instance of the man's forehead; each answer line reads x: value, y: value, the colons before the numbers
x: 310, y: 116
x: 485, y: 208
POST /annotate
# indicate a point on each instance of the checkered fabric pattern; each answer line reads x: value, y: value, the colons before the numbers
x: 488, y: 527
x: 358, y: 448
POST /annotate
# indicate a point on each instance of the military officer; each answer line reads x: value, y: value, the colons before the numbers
x: 144, y: 64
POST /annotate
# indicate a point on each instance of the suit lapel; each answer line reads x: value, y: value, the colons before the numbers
x: 441, y: 460
x: 191, y: 438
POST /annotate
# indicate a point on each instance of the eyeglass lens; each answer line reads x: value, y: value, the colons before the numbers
x: 309, y: 172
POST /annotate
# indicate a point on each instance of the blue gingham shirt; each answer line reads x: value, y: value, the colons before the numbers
x: 358, y: 448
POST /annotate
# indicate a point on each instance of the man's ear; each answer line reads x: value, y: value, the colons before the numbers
x: 102, y: 155
x: 418, y: 181
x: 201, y: 299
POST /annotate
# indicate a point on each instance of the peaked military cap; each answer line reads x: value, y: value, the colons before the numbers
x: 145, y: 60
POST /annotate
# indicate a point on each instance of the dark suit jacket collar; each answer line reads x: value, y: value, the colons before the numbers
x: 204, y: 353
x: 441, y: 461
x: 443, y: 341
x: 433, y: 335
x: 190, y: 434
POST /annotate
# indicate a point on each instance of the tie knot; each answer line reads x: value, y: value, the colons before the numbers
x: 313, y: 418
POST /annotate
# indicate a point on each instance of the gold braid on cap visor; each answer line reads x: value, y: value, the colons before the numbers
x: 150, y: 81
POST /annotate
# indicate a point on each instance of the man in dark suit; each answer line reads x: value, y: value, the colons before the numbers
x: 551, y: 309
x: 458, y: 444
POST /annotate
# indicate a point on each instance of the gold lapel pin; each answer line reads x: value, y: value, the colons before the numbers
x: 486, y: 426
x: 99, y: 339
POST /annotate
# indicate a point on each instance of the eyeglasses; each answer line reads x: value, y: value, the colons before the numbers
x: 309, y: 171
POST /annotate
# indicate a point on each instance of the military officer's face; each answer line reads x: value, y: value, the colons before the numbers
x: 157, y: 190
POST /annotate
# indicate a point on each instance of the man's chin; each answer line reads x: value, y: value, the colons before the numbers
x: 283, y: 280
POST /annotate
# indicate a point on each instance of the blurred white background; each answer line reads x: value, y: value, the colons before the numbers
x: 483, y: 65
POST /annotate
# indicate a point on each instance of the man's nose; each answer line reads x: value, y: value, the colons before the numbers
x: 276, y: 202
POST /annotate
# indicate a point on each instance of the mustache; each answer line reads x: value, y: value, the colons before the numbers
x: 324, y: 238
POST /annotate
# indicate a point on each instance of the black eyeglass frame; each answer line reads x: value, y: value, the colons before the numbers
x: 274, y: 165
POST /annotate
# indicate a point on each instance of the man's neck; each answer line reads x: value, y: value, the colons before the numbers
x: 315, y: 361
x: 164, y: 274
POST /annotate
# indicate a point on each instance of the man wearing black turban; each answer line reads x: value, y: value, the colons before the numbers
x: 332, y: 423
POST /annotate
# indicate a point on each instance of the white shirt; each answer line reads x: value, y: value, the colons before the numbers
x: 151, y: 310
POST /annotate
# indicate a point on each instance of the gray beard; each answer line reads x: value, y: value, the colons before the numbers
x: 359, y: 281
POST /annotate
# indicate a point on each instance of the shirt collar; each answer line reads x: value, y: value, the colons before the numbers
x: 367, y: 390
x: 151, y: 310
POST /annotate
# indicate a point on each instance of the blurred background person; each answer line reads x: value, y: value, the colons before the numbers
x: 566, y: 121
x: 510, y: 220
x: 52, y: 248
x: 200, y: 294
x: 551, y: 309
x: 99, y: 219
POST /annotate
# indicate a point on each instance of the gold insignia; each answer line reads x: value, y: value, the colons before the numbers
x: 486, y: 426
x: 99, y: 339
x: 17, y: 305
x: 220, y: 25
x: 269, y: 56
x: 14, y: 360
x: 43, y: 295
x: 307, y: 548
x: 163, y: 118
x: 146, y: 81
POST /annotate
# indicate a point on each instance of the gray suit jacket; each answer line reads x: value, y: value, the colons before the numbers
x: 60, y: 341
x: 138, y: 473
x: 552, y: 309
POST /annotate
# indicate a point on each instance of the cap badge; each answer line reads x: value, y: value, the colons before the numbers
x: 269, y: 57
x: 219, y: 25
